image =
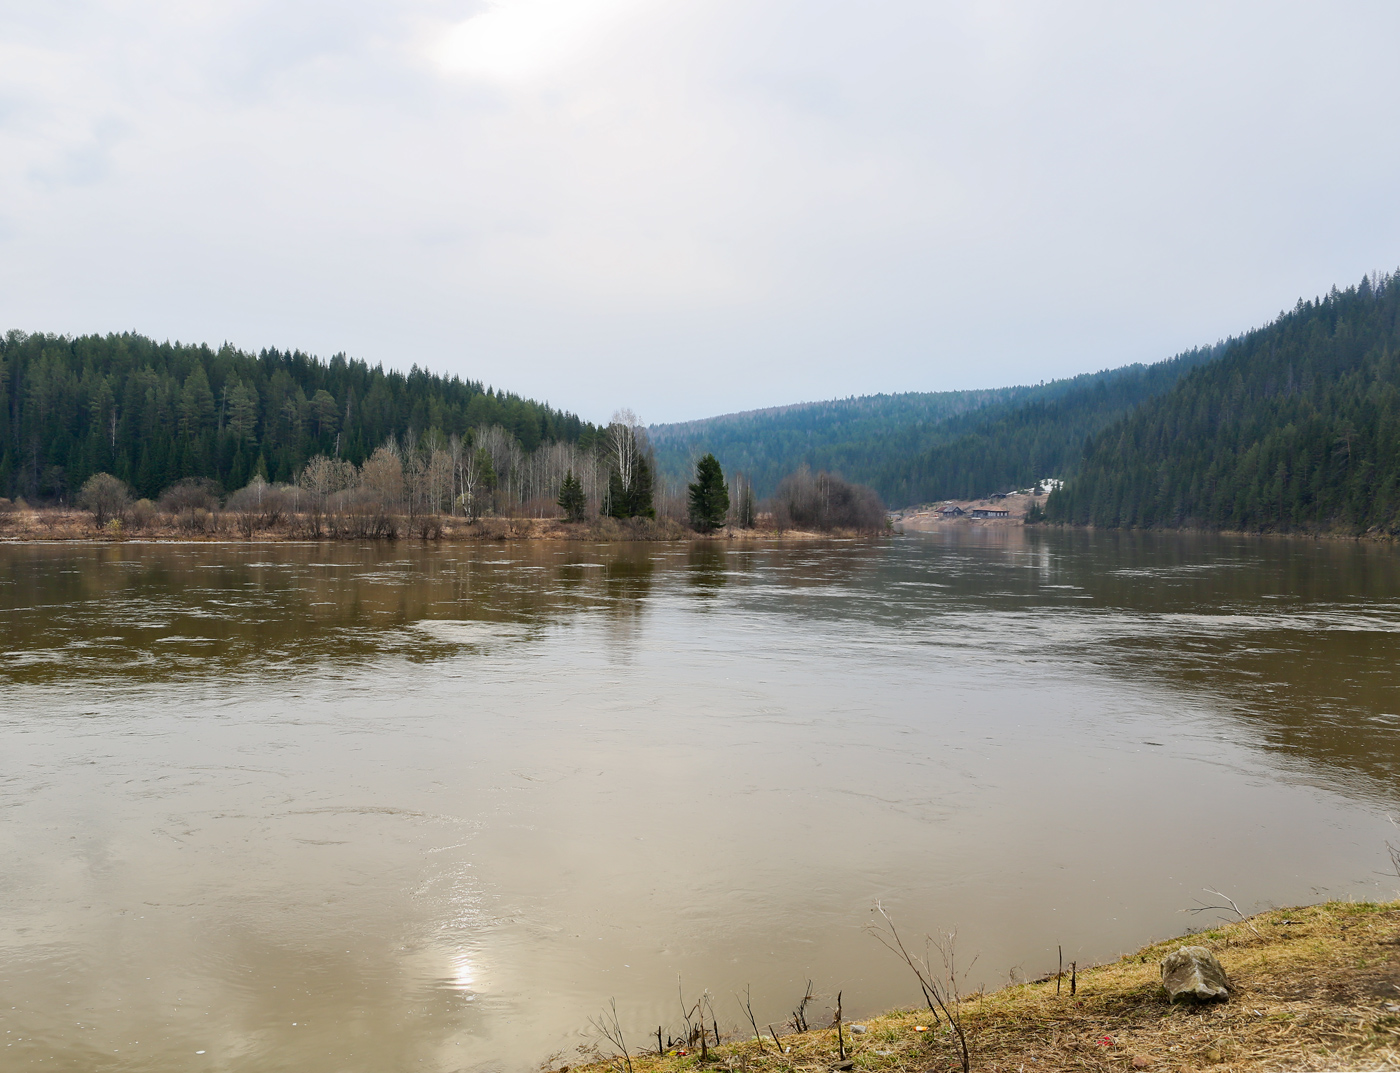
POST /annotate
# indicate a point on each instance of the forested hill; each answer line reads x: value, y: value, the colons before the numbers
x: 1042, y: 435
x: 152, y: 413
x: 1296, y: 427
x: 848, y: 436
x: 917, y: 448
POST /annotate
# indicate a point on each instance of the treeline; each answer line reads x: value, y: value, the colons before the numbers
x: 918, y: 448
x: 1296, y: 427
x: 153, y: 413
x: 418, y: 484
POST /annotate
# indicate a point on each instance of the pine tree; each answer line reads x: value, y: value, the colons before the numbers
x: 709, y: 497
x: 572, y: 500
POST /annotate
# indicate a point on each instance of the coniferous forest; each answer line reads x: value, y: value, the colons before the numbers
x: 921, y: 447
x: 154, y: 413
x: 1295, y: 427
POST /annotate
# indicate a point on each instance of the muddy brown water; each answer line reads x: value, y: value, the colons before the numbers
x: 407, y: 807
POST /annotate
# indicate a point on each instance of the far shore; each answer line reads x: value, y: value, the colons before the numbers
x: 930, y: 517
x: 1311, y: 988
x: 57, y: 525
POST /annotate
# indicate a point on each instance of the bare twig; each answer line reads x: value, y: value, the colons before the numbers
x: 799, y: 1015
x: 610, y: 1029
x: 706, y: 1003
x: 1232, y: 907
x: 840, y: 1039
x: 748, y: 1009
x: 1394, y: 851
x: 941, y: 996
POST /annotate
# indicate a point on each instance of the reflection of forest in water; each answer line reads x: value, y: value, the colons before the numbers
x: 162, y: 610
x: 1297, y: 642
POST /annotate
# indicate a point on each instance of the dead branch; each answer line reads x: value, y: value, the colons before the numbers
x: 941, y: 997
x: 1232, y: 907
x: 799, y: 1015
x: 610, y: 1029
x: 748, y: 1009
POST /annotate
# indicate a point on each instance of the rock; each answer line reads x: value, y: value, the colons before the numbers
x: 857, y: 1030
x: 1141, y: 1061
x: 1194, y: 973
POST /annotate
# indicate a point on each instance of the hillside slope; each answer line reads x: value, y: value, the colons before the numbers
x: 916, y: 448
x: 153, y: 413
x: 1296, y: 427
x: 839, y: 435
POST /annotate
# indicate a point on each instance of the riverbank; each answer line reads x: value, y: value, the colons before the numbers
x: 992, y: 512
x: 57, y: 525
x: 1312, y: 988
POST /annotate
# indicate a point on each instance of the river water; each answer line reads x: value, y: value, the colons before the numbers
x: 433, y: 807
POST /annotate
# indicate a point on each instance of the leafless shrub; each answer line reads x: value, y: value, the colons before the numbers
x: 107, y: 497
x: 143, y: 513
x: 808, y: 500
x: 190, y: 494
x: 259, y: 505
x: 942, y: 993
x: 428, y: 526
x: 197, y: 520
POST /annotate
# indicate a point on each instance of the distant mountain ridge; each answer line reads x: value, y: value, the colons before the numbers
x: 922, y: 446
x: 767, y: 444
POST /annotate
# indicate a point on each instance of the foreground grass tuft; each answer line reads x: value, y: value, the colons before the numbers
x: 1312, y: 988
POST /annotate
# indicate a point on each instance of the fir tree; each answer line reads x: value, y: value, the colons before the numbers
x: 640, y: 493
x: 572, y: 500
x: 709, y: 496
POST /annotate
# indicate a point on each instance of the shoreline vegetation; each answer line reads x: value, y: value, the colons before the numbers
x: 1311, y: 988
x: 432, y: 491
x: 56, y: 525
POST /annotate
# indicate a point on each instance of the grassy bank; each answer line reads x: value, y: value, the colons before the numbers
x: 1314, y: 988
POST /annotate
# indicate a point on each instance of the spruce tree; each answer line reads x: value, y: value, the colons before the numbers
x: 641, y: 490
x: 709, y: 497
x: 572, y: 500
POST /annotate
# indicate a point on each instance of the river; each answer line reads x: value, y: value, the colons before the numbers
x: 335, y: 807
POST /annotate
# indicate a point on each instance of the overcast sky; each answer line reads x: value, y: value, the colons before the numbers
x: 691, y: 207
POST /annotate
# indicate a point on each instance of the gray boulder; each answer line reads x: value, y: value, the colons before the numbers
x: 1194, y: 973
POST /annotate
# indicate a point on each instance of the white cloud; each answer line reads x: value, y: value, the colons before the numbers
x: 519, y: 41
x: 581, y: 200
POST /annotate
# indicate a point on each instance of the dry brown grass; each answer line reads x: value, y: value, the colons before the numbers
x: 58, y: 524
x: 1315, y: 988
